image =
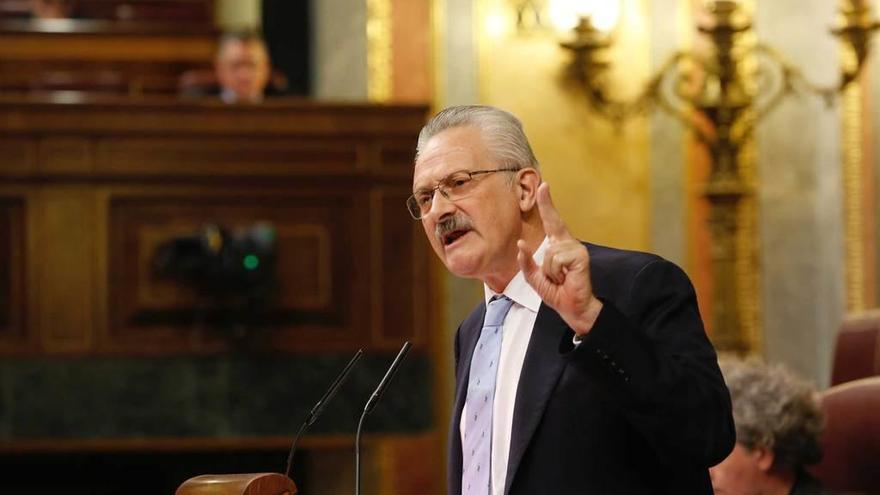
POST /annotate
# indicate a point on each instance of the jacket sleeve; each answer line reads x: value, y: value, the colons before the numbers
x: 656, y: 352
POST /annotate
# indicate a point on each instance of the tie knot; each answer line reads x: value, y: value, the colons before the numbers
x: 497, y: 311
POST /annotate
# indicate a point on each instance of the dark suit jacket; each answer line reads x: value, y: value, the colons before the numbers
x: 639, y: 407
x: 804, y: 484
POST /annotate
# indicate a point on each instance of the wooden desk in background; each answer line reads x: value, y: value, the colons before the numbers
x: 88, y: 191
x: 133, y: 58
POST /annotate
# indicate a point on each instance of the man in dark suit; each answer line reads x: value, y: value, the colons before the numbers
x: 587, y: 369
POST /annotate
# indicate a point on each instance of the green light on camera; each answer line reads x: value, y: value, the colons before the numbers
x: 251, y: 262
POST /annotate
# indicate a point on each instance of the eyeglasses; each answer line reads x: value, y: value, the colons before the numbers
x: 453, y: 187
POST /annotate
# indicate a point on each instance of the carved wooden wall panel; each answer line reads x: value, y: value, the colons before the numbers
x: 12, y: 282
x: 19, y: 156
x: 65, y: 154
x: 400, y: 306
x: 65, y: 265
x: 109, y: 182
x: 396, y: 157
x: 230, y: 155
x: 321, y: 285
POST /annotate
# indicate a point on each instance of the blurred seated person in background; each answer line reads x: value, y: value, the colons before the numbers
x: 52, y: 9
x: 778, y: 421
x: 242, y: 67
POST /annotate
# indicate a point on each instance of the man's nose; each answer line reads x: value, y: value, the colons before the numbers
x: 440, y: 205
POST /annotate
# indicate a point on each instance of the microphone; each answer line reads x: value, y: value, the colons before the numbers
x: 319, y: 406
x: 264, y: 483
x: 371, y: 403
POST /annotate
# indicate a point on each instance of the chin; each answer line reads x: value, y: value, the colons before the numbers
x: 461, y: 267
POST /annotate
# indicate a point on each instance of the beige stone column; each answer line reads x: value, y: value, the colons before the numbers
x: 800, y: 195
x: 339, y: 50
x: 668, y: 236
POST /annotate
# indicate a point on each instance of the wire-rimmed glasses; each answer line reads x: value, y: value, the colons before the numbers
x: 453, y: 187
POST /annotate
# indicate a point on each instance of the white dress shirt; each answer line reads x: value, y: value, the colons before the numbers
x: 516, y: 332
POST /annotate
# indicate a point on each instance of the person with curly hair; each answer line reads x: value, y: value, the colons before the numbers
x: 778, y: 422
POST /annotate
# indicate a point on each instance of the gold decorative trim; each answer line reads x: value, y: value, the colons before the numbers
x: 379, y: 50
x: 854, y: 262
x: 438, y: 52
x: 748, y: 267
x: 747, y: 270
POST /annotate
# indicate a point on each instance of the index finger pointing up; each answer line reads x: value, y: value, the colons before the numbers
x: 553, y: 225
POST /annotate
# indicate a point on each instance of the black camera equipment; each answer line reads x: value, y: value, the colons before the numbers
x: 220, y: 262
x: 232, y: 271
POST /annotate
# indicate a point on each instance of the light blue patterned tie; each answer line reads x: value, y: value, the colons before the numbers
x: 477, y: 444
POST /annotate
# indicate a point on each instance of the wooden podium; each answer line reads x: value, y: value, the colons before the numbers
x: 238, y: 484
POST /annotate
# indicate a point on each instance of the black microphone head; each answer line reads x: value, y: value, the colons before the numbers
x: 387, y: 378
x: 334, y: 387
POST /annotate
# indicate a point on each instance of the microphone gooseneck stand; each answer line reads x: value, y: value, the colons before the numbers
x: 319, y: 406
x: 264, y: 483
x: 371, y: 403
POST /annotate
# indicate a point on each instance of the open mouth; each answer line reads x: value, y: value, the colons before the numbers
x: 451, y: 237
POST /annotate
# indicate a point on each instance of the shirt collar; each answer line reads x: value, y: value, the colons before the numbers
x: 229, y: 96
x: 518, y: 290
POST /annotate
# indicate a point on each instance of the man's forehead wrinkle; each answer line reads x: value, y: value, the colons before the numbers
x: 441, y: 162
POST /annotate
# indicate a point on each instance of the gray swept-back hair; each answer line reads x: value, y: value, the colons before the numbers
x: 774, y: 409
x: 501, y: 131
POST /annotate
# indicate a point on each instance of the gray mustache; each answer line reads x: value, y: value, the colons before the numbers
x: 451, y: 224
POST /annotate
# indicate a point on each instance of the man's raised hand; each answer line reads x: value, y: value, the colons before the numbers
x: 563, y: 279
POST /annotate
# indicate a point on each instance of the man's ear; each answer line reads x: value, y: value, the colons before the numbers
x: 527, y: 182
x: 765, y: 458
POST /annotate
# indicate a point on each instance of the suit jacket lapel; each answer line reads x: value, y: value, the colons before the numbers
x: 541, y: 369
x: 469, y: 335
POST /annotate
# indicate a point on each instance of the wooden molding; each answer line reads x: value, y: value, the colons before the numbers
x: 108, y: 181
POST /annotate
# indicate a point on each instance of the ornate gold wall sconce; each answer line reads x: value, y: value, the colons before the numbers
x: 720, y: 96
